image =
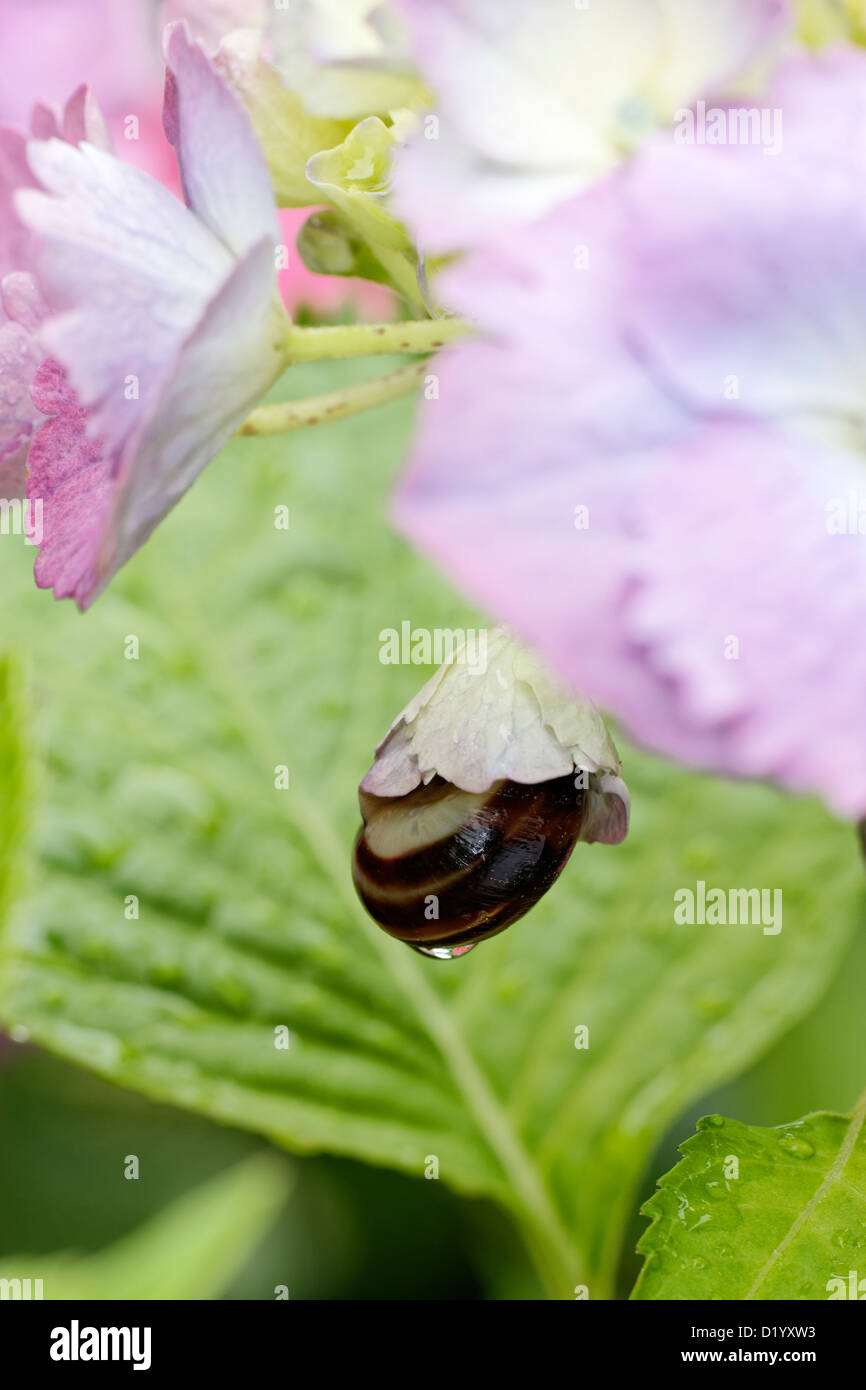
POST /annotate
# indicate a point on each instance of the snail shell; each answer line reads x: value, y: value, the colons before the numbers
x: 442, y: 868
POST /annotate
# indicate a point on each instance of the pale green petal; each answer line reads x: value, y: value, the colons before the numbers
x: 493, y: 710
x: 355, y: 176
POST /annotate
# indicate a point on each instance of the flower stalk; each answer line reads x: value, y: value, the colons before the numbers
x: 334, y: 405
x: 369, y: 339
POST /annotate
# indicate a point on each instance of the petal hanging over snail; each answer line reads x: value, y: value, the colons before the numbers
x: 477, y: 796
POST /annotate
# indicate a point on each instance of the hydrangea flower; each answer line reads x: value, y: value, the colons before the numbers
x: 23, y: 310
x: 651, y: 461
x: 169, y: 326
x: 535, y: 101
x: 22, y: 305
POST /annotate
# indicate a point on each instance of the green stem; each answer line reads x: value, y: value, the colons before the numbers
x: 334, y: 405
x: 366, y: 339
x: 402, y: 273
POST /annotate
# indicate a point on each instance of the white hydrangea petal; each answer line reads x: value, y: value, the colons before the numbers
x: 475, y: 726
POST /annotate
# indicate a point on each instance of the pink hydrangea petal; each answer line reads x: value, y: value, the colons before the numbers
x: 20, y: 356
x: 71, y: 477
x: 13, y: 474
x: 706, y: 512
x: 223, y: 172
x: 229, y: 360
x: 83, y: 120
x: 605, y: 820
x: 712, y: 248
x: 14, y: 174
x: 46, y: 122
x: 211, y: 20
x: 170, y: 327
x: 131, y: 266
x: 133, y: 269
x: 100, y: 506
x: 23, y: 301
x: 745, y: 604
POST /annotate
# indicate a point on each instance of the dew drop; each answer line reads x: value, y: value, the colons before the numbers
x: 797, y: 1148
x: 711, y: 1122
x: 842, y: 1239
x: 701, y: 1221
x: 445, y: 952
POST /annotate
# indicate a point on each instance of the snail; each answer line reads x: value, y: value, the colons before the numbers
x: 477, y: 796
x: 444, y: 868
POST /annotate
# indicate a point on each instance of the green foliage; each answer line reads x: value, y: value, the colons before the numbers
x: 755, y: 1213
x: 820, y: 22
x: 258, y: 647
x: 190, y: 1250
x: 14, y: 799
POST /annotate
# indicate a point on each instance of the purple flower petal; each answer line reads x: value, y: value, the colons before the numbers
x: 20, y: 356
x: 130, y: 266
x: 69, y: 473
x: 636, y: 467
x: 211, y: 20
x: 23, y: 306
x: 223, y: 172
x: 14, y: 174
x: 170, y: 327
x: 83, y: 120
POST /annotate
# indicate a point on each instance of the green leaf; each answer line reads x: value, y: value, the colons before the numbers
x: 259, y: 647
x: 754, y: 1213
x: 14, y: 802
x: 190, y: 1250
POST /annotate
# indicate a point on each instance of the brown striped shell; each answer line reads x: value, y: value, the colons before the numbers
x: 442, y: 868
